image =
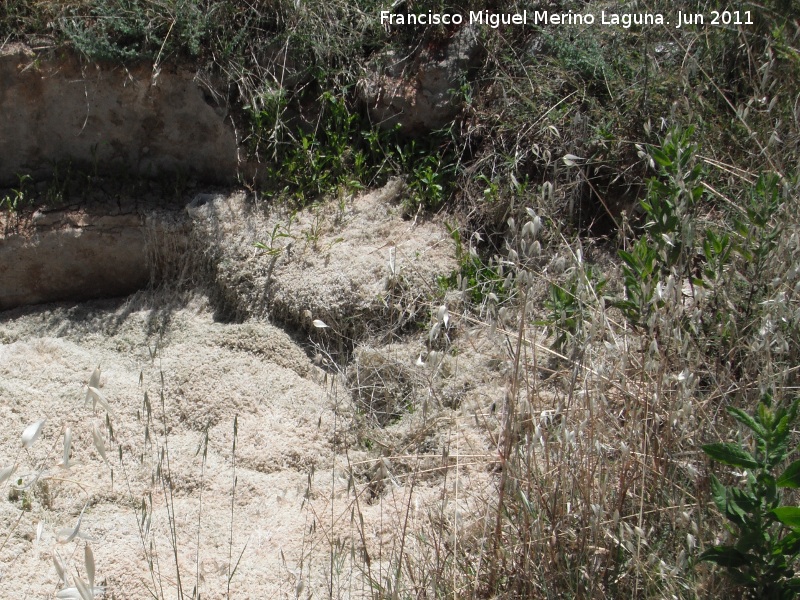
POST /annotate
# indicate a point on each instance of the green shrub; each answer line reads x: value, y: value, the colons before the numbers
x: 568, y: 307
x: 123, y: 30
x: 766, y: 531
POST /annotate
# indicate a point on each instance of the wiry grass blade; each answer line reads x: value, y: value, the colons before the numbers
x: 67, y: 447
x: 85, y: 590
x: 99, y: 444
x: 70, y: 534
x: 32, y: 432
x: 98, y: 398
x: 62, y: 572
x: 88, y: 560
x: 7, y: 472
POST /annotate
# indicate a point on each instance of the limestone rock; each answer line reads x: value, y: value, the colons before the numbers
x: 420, y: 94
x: 72, y: 256
x: 136, y: 120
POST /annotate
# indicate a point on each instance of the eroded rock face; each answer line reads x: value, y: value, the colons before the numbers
x: 421, y: 94
x: 72, y: 256
x: 97, y: 250
x: 138, y: 121
x: 358, y: 266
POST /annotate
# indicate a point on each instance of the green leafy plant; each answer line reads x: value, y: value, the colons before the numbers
x: 640, y: 277
x: 672, y: 198
x: 279, y: 231
x: 19, y: 196
x: 480, y: 280
x: 131, y: 29
x: 767, y: 532
x: 425, y: 184
x: 333, y: 153
x: 567, y: 306
x: 668, y: 247
x: 758, y: 234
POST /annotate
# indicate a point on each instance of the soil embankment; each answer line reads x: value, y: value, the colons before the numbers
x: 62, y: 114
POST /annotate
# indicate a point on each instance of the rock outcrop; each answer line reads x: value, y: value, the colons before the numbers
x: 358, y: 266
x: 423, y: 93
x: 137, y: 121
x: 72, y: 256
x: 95, y: 251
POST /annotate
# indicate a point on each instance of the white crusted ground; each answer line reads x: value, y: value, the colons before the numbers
x: 320, y: 482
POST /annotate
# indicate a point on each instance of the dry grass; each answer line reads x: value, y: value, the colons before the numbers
x: 547, y: 445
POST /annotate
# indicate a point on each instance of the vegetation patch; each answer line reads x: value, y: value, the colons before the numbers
x: 630, y: 256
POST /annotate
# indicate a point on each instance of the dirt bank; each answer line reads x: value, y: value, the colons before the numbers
x: 276, y: 464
